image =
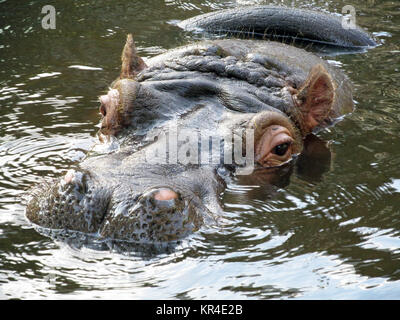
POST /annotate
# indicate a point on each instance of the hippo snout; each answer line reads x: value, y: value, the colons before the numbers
x: 73, y: 202
x: 79, y: 202
x: 157, y: 215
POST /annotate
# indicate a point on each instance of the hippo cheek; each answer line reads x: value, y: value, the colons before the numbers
x: 158, y: 215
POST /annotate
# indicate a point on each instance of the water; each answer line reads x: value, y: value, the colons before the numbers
x: 327, y: 230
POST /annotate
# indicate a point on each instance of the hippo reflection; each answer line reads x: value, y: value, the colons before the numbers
x: 135, y: 192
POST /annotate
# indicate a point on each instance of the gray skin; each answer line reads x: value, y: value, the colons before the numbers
x: 285, y: 24
x: 213, y: 88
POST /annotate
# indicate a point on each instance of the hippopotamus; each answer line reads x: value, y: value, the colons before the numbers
x: 176, y: 127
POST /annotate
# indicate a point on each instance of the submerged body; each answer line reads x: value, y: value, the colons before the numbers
x: 141, y: 192
x: 284, y: 24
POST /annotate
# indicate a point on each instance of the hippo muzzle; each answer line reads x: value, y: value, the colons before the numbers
x: 151, y: 211
x: 73, y: 202
x: 148, y: 219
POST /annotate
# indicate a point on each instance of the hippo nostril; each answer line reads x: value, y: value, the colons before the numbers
x: 166, y: 195
x: 76, y: 180
x: 69, y: 176
x: 159, y: 201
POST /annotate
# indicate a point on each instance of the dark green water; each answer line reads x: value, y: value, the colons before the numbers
x: 329, y: 230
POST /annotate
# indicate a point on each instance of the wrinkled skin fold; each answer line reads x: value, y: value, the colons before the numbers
x: 277, y: 92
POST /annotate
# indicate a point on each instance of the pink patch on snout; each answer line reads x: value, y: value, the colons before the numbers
x: 166, y: 194
x: 69, y: 176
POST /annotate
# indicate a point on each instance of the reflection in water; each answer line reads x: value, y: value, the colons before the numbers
x: 315, y: 159
x: 310, y: 165
x: 327, y: 226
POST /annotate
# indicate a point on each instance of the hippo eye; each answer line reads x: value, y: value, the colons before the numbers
x: 281, y: 149
x: 275, y: 146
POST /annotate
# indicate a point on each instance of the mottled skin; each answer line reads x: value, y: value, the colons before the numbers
x: 211, y: 87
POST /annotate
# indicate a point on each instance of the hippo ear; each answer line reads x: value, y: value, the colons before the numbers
x: 315, y: 98
x: 132, y: 64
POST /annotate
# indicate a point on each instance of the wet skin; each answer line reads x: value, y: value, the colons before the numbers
x: 283, y: 24
x: 212, y: 88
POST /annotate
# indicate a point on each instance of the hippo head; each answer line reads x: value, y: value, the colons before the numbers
x: 143, y: 192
